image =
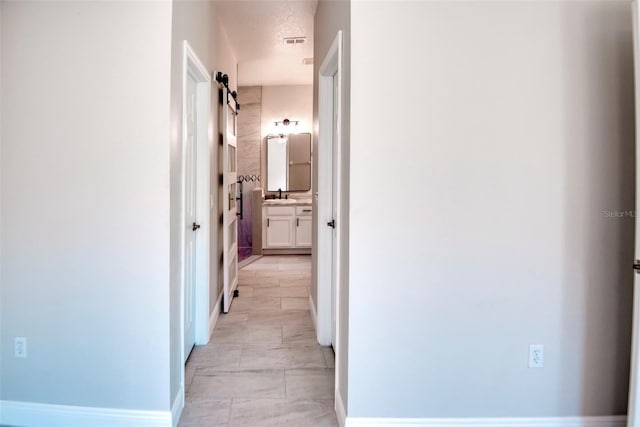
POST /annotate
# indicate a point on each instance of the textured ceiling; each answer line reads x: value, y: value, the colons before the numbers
x: 256, y: 29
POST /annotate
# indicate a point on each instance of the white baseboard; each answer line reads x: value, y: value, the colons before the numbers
x: 29, y: 414
x: 177, y: 407
x: 313, y: 313
x: 340, y: 411
x: 215, y: 314
x: 607, y: 421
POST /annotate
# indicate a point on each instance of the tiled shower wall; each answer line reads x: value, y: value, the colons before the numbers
x: 249, y: 141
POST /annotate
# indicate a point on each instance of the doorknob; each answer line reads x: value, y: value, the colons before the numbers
x: 195, y: 226
x: 332, y: 223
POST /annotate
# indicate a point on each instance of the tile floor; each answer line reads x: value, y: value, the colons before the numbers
x: 263, y: 366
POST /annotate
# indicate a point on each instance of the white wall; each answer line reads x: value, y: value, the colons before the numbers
x: 199, y: 23
x: 85, y: 203
x: 333, y: 16
x: 480, y: 176
x: 292, y: 102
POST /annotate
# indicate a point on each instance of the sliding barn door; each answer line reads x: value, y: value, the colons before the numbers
x: 230, y: 198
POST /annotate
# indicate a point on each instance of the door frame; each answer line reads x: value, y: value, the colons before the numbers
x: 633, y: 418
x: 191, y: 64
x: 330, y: 69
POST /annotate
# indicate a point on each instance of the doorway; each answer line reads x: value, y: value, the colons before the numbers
x: 329, y: 191
x: 196, y: 85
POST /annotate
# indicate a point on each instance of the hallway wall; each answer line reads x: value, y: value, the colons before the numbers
x: 85, y: 203
x: 517, y: 132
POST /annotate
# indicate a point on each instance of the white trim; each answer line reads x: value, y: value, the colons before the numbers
x: 215, y: 314
x: 606, y: 421
x: 341, y: 413
x: 634, y: 383
x: 313, y: 313
x: 27, y: 414
x: 177, y: 407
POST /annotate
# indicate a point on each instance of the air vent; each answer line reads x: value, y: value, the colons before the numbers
x: 307, y: 61
x: 294, y: 41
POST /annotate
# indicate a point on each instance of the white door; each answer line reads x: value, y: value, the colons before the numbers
x: 633, y: 418
x: 230, y: 195
x: 190, y: 200
x: 334, y: 205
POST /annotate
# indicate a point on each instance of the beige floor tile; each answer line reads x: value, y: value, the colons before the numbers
x: 260, y: 265
x: 329, y: 357
x: 297, y: 291
x: 232, y: 318
x: 245, y: 290
x: 275, y: 413
x: 289, y: 317
x: 249, y: 384
x: 302, y: 267
x: 299, y: 334
x: 281, y: 356
x: 244, y: 304
x: 240, y: 379
x: 205, y: 413
x: 302, y: 384
x: 248, y: 334
x: 259, y: 281
x: 215, y: 354
x: 189, y: 372
x: 294, y: 282
x: 246, y: 273
x: 295, y: 304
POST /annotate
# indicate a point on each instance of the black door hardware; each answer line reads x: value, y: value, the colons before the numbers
x: 332, y: 223
x: 195, y: 226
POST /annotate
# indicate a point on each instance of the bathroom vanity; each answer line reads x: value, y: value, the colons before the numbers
x: 286, y: 206
x: 286, y: 226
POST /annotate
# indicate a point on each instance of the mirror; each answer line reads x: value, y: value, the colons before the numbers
x: 289, y: 162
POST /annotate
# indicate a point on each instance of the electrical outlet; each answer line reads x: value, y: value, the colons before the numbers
x: 536, y: 356
x: 20, y: 347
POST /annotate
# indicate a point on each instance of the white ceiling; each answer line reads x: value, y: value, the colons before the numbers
x: 256, y: 29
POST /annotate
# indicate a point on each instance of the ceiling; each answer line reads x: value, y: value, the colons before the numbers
x: 256, y: 29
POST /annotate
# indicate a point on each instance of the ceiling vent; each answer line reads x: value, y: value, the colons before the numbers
x: 307, y: 61
x: 294, y: 41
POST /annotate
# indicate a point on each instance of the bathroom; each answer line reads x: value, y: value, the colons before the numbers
x: 274, y: 167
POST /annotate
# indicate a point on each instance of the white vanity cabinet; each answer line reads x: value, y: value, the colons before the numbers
x: 286, y: 228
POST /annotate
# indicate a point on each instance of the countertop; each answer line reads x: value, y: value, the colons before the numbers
x: 287, y: 202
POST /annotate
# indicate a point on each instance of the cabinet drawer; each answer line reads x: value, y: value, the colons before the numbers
x: 303, y: 210
x: 280, y: 210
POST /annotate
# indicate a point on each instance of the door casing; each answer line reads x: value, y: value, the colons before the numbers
x: 330, y: 69
x: 192, y: 65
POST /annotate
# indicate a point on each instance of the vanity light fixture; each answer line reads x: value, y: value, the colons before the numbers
x: 287, y: 122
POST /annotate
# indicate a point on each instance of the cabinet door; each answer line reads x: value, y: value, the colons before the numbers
x: 279, y: 232
x: 303, y: 232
